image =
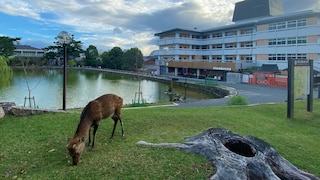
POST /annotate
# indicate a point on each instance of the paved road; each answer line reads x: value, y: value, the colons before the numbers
x: 255, y: 94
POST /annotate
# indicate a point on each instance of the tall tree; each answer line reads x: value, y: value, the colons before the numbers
x: 7, y: 46
x: 92, y: 56
x: 74, y: 49
x: 132, y: 59
x: 115, y: 58
x: 105, y: 59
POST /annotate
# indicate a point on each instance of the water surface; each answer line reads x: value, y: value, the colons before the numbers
x: 46, y: 86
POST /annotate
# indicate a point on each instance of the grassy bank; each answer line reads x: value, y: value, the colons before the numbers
x: 35, y: 146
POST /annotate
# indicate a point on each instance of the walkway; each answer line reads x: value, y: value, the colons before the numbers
x: 255, y: 94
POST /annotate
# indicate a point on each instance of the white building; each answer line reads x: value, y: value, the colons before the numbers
x: 262, y: 36
x: 26, y: 51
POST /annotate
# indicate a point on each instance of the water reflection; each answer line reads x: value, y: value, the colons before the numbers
x: 83, y: 86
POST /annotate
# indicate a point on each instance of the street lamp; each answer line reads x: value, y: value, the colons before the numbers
x: 185, y: 71
x: 64, y: 38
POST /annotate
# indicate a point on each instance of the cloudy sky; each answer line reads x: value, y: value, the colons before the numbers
x: 110, y: 23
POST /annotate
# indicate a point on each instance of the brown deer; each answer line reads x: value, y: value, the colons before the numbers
x: 101, y: 108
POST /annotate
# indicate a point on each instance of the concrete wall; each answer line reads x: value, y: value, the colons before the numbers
x: 234, y: 78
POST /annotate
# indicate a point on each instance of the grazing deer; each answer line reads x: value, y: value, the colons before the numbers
x: 101, y: 108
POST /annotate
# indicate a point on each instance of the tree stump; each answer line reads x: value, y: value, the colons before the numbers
x: 239, y: 157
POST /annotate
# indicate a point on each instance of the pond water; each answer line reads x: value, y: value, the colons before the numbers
x: 46, y: 86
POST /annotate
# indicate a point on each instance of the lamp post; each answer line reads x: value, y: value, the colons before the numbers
x: 64, y: 38
x: 185, y: 71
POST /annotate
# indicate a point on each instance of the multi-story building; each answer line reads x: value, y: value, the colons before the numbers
x: 25, y: 51
x: 263, y: 36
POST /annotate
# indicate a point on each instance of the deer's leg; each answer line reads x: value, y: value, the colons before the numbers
x: 115, y: 119
x: 121, y: 125
x: 95, y: 128
x: 89, y: 142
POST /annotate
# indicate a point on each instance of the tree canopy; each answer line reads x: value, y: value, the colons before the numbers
x: 130, y: 60
x: 7, y: 46
x: 74, y: 49
x: 92, y: 56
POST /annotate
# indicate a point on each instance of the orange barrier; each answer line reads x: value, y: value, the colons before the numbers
x: 268, y: 79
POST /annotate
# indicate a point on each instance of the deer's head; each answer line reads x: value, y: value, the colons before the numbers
x: 76, y: 147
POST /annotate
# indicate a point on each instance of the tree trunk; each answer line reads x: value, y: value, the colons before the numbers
x: 239, y: 157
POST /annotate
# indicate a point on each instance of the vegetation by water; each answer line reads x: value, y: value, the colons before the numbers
x: 34, y: 147
x: 5, y: 72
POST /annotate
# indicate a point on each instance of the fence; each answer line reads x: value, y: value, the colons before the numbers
x: 268, y: 79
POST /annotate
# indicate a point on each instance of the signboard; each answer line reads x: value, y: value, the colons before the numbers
x: 300, y: 83
x: 301, y: 78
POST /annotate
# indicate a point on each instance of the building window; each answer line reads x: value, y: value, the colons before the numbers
x: 281, y: 25
x: 230, y: 45
x: 292, y: 56
x: 292, y: 24
x: 247, y: 58
x: 217, y: 58
x: 272, y: 26
x: 272, y: 57
x: 302, y: 56
x: 206, y: 36
x: 272, y: 42
x: 195, y: 37
x: 302, y: 23
x: 246, y: 44
x: 281, y: 41
x: 205, y: 47
x: 229, y: 58
x: 230, y: 33
x: 195, y: 47
x: 292, y: 40
x: 281, y: 57
x: 302, y: 40
x: 217, y: 35
x: 246, y: 31
x: 217, y: 46
x: 205, y: 58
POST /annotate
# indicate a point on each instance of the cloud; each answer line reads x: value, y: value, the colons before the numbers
x: 127, y: 23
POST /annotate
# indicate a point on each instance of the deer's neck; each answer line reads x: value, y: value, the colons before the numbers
x: 83, y: 128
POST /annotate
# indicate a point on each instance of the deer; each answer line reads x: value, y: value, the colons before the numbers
x: 105, y: 106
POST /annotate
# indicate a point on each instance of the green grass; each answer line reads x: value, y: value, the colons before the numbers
x: 35, y: 146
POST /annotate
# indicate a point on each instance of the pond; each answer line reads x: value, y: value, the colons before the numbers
x: 46, y: 86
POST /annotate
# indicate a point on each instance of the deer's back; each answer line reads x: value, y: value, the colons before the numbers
x: 102, y: 107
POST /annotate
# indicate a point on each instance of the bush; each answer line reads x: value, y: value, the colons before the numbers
x: 237, y: 100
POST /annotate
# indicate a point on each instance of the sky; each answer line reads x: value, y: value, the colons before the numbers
x: 116, y: 23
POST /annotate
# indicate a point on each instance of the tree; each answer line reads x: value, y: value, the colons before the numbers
x: 105, y: 58
x: 53, y: 53
x: 5, y: 71
x: 132, y: 59
x: 6, y: 45
x: 92, y: 56
x: 115, y: 58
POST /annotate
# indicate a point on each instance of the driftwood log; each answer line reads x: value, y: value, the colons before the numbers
x: 239, y: 157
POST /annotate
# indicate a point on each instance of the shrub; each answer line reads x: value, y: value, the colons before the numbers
x: 237, y: 100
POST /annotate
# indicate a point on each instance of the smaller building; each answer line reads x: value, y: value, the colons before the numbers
x: 26, y: 51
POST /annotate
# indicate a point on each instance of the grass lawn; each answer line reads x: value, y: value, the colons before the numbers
x: 35, y: 146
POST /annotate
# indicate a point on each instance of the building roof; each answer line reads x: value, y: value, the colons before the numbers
x: 249, y: 9
x: 270, y: 68
x: 25, y: 47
